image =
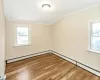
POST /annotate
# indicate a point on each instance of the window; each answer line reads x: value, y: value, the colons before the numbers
x: 22, y: 36
x: 95, y: 36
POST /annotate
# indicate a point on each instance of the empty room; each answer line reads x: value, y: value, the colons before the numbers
x: 49, y: 39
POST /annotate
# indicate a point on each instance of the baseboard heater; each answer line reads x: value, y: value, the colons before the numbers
x: 27, y: 56
x: 88, y: 68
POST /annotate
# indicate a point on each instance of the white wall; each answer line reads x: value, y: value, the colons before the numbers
x: 2, y: 39
x: 40, y: 39
x: 70, y: 37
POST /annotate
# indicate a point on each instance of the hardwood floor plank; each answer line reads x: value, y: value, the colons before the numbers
x: 46, y: 67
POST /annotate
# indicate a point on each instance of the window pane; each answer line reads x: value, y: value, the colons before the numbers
x: 96, y: 29
x: 22, y: 39
x: 22, y: 35
x: 95, y: 43
x: 22, y: 31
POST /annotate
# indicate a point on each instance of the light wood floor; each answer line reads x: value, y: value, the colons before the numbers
x: 46, y: 67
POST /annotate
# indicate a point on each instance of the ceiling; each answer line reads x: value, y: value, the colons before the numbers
x: 31, y: 10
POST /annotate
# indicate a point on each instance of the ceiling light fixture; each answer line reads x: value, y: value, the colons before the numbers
x: 46, y: 6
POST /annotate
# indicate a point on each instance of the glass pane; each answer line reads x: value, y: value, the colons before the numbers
x: 96, y: 29
x: 22, y: 35
x: 22, y: 31
x: 95, y: 43
x: 22, y: 40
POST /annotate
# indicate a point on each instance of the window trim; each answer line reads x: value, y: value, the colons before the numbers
x: 29, y: 35
x: 89, y: 36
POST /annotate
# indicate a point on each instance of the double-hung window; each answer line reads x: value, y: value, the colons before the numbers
x: 95, y: 37
x: 22, y: 36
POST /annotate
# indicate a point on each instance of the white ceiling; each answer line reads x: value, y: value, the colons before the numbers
x: 30, y: 10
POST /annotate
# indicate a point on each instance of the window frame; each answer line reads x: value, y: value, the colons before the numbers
x: 90, y: 36
x: 29, y: 35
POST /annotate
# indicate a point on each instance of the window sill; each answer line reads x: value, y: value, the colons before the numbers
x: 93, y: 51
x: 21, y: 45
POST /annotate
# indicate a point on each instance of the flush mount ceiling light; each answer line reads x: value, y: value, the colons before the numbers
x: 46, y: 6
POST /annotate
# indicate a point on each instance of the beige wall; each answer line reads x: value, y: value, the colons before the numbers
x: 70, y: 37
x: 40, y: 39
x: 2, y: 40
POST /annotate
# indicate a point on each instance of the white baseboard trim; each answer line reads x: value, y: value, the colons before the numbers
x: 26, y: 56
x: 93, y: 71
x: 62, y: 56
x: 3, y: 77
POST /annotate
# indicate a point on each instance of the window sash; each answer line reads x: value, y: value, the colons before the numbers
x: 94, y: 35
x: 21, y: 41
x: 96, y: 45
x: 23, y: 35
